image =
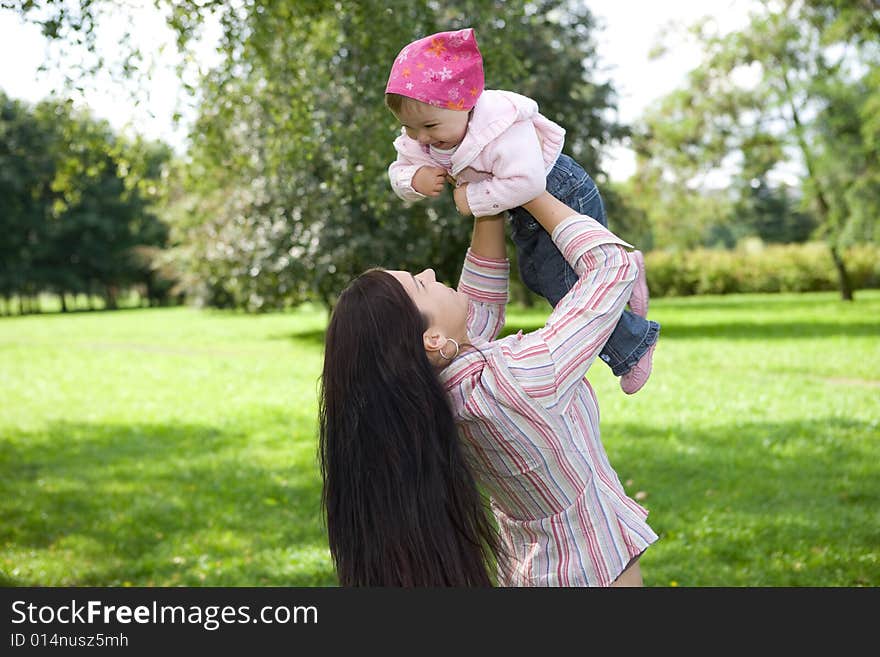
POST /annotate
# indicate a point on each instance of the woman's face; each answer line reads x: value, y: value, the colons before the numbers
x: 446, y: 308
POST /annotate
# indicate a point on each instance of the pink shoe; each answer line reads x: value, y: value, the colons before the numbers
x: 638, y: 302
x: 632, y: 381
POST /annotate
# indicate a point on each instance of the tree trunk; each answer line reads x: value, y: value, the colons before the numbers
x: 844, y: 284
x: 63, y: 303
x: 822, y: 207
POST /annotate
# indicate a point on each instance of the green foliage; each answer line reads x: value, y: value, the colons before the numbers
x: 78, y: 203
x: 753, y: 445
x: 771, y: 213
x: 797, y: 84
x: 754, y: 267
x: 283, y: 195
x: 26, y: 175
x: 287, y: 196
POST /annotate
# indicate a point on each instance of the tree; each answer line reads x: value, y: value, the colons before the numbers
x: 286, y: 195
x: 27, y: 169
x: 772, y: 212
x: 77, y: 202
x: 810, y: 99
x: 294, y: 127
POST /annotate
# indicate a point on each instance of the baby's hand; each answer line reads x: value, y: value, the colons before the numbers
x: 429, y: 181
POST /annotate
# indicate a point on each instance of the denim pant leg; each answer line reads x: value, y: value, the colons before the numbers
x: 545, y: 271
x: 542, y: 268
x: 628, y: 342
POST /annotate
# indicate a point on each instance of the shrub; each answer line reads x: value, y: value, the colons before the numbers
x: 755, y: 267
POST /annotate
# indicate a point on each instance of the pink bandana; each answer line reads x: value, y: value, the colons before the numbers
x: 444, y: 70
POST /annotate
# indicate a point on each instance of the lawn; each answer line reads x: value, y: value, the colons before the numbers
x: 166, y: 447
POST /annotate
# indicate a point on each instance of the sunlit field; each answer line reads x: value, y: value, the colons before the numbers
x: 166, y: 447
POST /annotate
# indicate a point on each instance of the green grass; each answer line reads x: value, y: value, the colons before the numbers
x: 165, y: 447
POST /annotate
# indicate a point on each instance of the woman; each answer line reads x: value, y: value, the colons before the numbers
x: 408, y: 360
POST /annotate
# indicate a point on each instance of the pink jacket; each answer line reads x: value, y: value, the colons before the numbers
x: 505, y: 156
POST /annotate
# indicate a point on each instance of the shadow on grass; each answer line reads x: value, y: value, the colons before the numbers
x: 791, y: 301
x: 743, y: 330
x: 746, y: 330
x: 747, y: 504
x: 314, y: 337
x: 160, y: 504
x: 773, y: 330
x: 756, y: 504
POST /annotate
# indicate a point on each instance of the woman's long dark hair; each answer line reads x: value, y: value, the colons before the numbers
x: 401, y: 505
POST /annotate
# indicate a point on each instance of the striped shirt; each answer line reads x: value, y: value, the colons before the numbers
x: 442, y: 157
x: 530, y: 420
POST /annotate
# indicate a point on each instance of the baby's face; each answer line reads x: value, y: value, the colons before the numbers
x: 435, y: 126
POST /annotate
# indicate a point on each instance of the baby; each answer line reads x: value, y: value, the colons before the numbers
x: 502, y: 152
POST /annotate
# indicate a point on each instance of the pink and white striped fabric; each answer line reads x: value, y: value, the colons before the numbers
x: 530, y: 420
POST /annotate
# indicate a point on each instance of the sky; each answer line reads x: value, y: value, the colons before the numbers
x: 630, y: 31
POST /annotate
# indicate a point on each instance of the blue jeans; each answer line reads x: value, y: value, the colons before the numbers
x: 545, y: 271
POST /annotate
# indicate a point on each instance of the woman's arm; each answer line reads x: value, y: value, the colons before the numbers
x: 484, y: 277
x: 487, y: 240
x: 549, y: 211
x: 550, y: 363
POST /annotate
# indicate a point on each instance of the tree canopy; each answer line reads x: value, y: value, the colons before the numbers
x: 77, y: 202
x: 282, y: 195
x: 797, y: 85
x: 285, y: 194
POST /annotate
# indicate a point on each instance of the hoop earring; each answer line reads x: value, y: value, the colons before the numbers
x: 444, y: 356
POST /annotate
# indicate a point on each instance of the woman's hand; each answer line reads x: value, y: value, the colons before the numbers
x: 549, y: 211
x: 459, y: 195
x: 429, y: 181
